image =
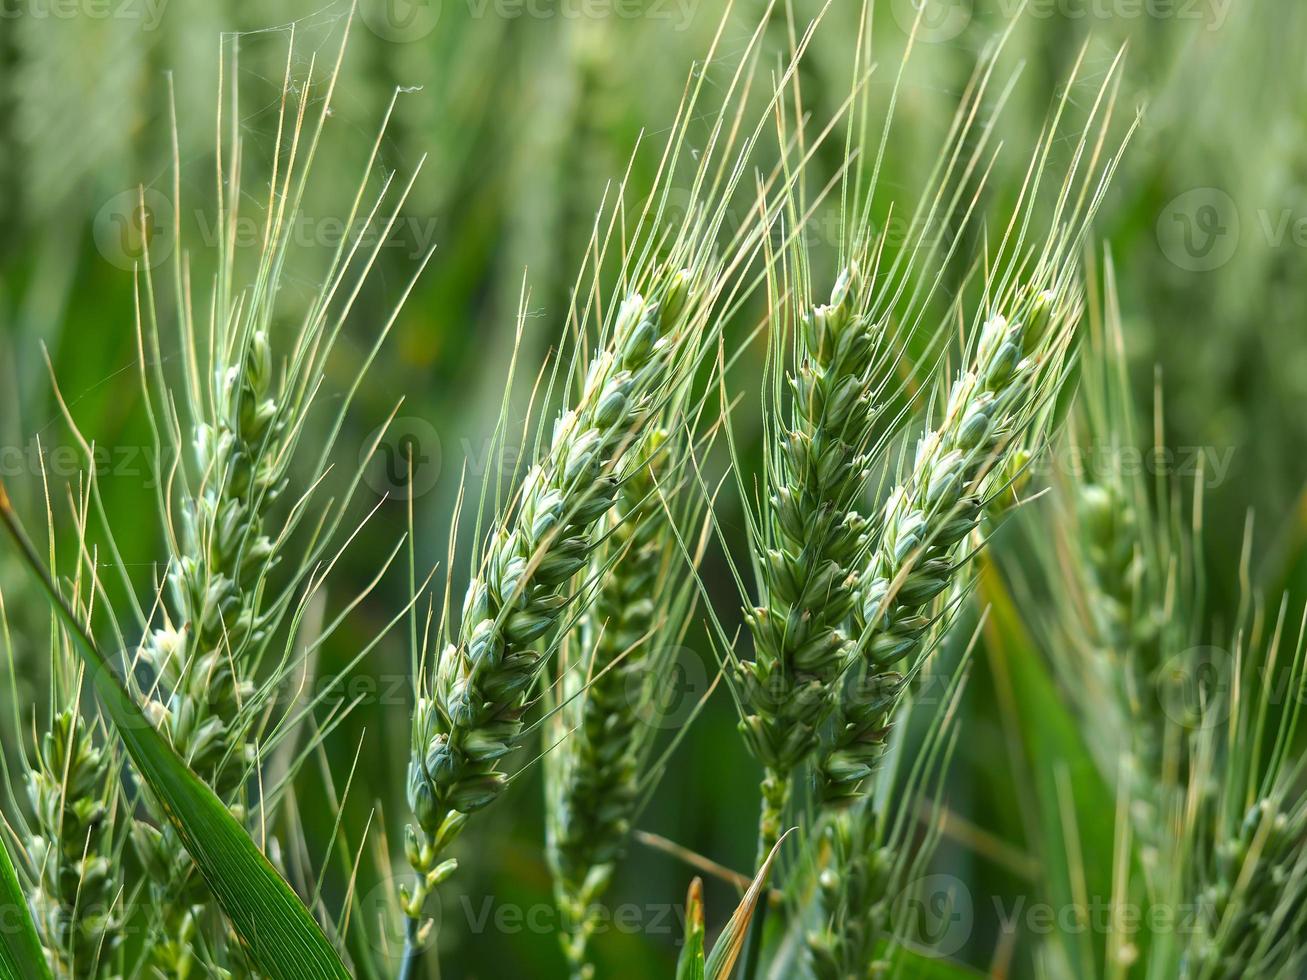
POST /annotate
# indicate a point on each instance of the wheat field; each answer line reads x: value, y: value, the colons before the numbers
x: 653, y: 488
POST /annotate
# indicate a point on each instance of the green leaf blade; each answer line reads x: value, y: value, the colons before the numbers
x: 20, y: 950
x: 1075, y: 859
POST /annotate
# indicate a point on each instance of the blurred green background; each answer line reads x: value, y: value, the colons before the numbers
x: 525, y: 113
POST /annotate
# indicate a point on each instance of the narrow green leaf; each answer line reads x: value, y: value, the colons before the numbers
x: 280, y: 935
x: 690, y: 964
x: 721, y: 961
x: 1061, y: 766
x: 20, y: 950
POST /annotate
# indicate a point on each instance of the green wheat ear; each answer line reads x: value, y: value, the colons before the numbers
x: 473, y: 716
x: 597, y: 766
x: 1208, y: 785
x: 71, y: 787
x: 205, y: 668
x: 815, y: 544
x: 481, y: 682
x: 991, y: 411
x: 613, y: 668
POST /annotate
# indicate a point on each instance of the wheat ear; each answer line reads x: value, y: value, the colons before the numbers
x: 473, y: 715
x: 235, y: 420
x: 594, y: 774
x: 72, y: 788
x: 993, y: 409
x: 813, y: 549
